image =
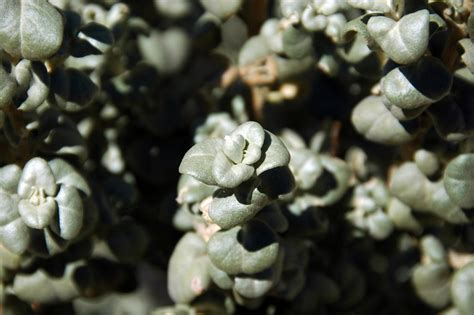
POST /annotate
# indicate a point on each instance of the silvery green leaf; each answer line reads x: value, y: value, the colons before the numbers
x: 401, y: 216
x: 174, y: 8
x: 297, y: 43
x: 222, y: 9
x: 291, y: 8
x: 65, y: 174
x: 33, y: 78
x: 312, y: 20
x: 432, y: 284
x: 229, y: 175
x: 443, y: 206
x: 404, y: 41
x: 292, y: 68
x: 8, y: 87
x: 72, y: 89
x: 9, y: 178
x: 198, y: 160
x: 9, y: 259
x: 69, y: 218
x: 372, y: 119
x: 168, y: 51
x: 254, y: 49
x: 190, y: 190
x: 433, y: 249
x: 219, y: 277
x: 32, y: 29
x: 228, y: 209
x: 426, y: 161
x: 256, y: 285
x: 14, y: 235
x: 407, y: 87
x: 39, y: 287
x: 468, y: 55
x: 252, y: 131
x: 37, y: 216
x: 459, y: 180
x: 379, y: 224
x: 384, y: 6
x: 248, y: 249
x: 271, y: 32
x: 234, y: 148
x: 36, y: 175
x: 358, y: 27
x: 306, y: 166
x: 188, y: 275
x: 462, y: 289
x: 275, y: 154
x: 412, y: 187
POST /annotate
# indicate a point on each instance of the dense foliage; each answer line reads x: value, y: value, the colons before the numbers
x: 236, y: 157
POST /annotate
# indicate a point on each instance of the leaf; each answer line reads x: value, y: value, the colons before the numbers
x: 32, y: 29
x: 222, y: 9
x: 65, y: 174
x: 297, y: 43
x: 37, y: 216
x: 407, y: 87
x: 247, y: 249
x: 459, y: 180
x: 372, y: 119
x: 188, y: 275
x: 39, y: 287
x: 274, y: 154
x: 468, y: 56
x: 219, y: 277
x: 401, y: 216
x: 36, y: 175
x: 33, y: 78
x: 462, y: 289
x: 198, y: 161
x: 14, y: 234
x: 229, y: 175
x: 7, y: 86
x: 432, y: 284
x: 228, y: 210
x: 405, y: 40
x: 9, y: 178
x: 69, y: 218
x: 426, y: 161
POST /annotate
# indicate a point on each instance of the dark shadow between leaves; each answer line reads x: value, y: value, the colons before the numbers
x: 256, y: 235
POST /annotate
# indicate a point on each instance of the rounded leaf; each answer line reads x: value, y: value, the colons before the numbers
x: 227, y: 209
x: 459, y: 180
x: 32, y: 29
x: 37, y: 216
x: 65, y: 174
x: 222, y: 9
x: 198, y: 161
x: 462, y: 289
x: 188, y: 275
x: 372, y: 119
x: 70, y: 213
x: 408, y: 88
x: 248, y: 249
x: 432, y: 284
x: 404, y: 41
x: 37, y: 175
